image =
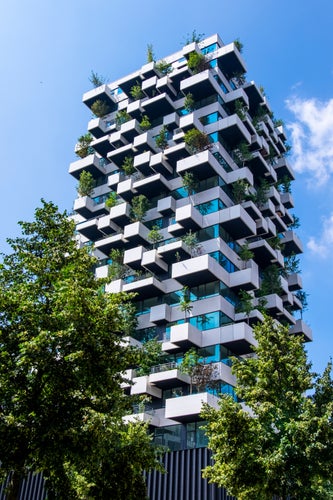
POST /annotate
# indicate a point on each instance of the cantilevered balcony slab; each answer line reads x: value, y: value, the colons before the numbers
x: 189, y: 217
x: 294, y: 282
x: 148, y: 416
x: 166, y: 206
x: 120, y: 214
x: 153, y: 262
x: 168, y: 376
x: 237, y: 337
x: 200, y: 85
x: 236, y: 95
x: 145, y: 287
x: 142, y: 163
x: 89, y: 229
x: 151, y: 185
x: 107, y: 226
x: 237, y: 222
x: 229, y: 60
x: 101, y: 93
x: 106, y: 244
x: 159, y: 164
x: 254, y: 94
x: 86, y: 207
x: 129, y: 130
x: 283, y: 168
x: 258, y: 165
x: 103, y: 145
x: 133, y: 257
x: 202, y: 165
x: 136, y: 233
x: 98, y: 127
x: 125, y: 189
x: 245, y: 279
x: 263, y: 252
x: 198, y: 270
x: 118, y: 155
x: 91, y: 164
x: 160, y: 314
x: 144, y: 142
x: 292, y: 244
x: 141, y: 385
x: 114, y: 178
x: 177, y: 152
x: 171, y: 251
x: 185, y: 335
x: 188, y: 408
x: 301, y: 328
x: 233, y: 130
x: 159, y: 105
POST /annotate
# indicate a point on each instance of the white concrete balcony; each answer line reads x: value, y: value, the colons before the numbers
x: 159, y: 164
x: 144, y: 142
x: 200, y: 85
x: 245, y: 279
x: 160, y: 314
x: 171, y: 121
x: 177, y: 152
x: 274, y: 195
x: 166, y: 206
x: 237, y: 337
x: 259, y: 167
x: 159, y: 105
x: 253, y: 318
x: 153, y: 262
x: 149, y: 86
x: 282, y: 168
x: 164, y: 85
x: 287, y: 200
x: 136, y: 233
x: 198, y: 270
x: 120, y: 214
x: 173, y: 251
x: 142, y: 163
x: 86, y: 207
x: 292, y: 244
x: 169, y: 376
x: 301, y: 328
x: 117, y: 156
x: 106, y: 244
x: 102, y: 93
x: 295, y: 282
x: 133, y: 257
x: 98, y: 127
x: 189, y: 121
x: 91, y: 163
x: 188, y: 408
x: 241, y: 173
x: 141, y: 385
x: 156, y: 183
x: 237, y: 222
x: 146, y: 415
x: 106, y: 225
x: 263, y: 252
x: 145, y: 287
x: 233, y: 130
x: 185, y: 335
x: 89, y: 229
x: 189, y: 217
x: 202, y: 165
x: 114, y: 179
x: 129, y: 130
x: 125, y: 189
x: 238, y: 94
x: 103, y: 145
x: 116, y: 286
x: 229, y: 59
x: 128, y: 376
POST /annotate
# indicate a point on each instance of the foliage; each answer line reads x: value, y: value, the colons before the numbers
x: 145, y: 123
x: 161, y: 140
x: 190, y: 183
x: 86, y: 183
x: 112, y: 199
x: 303, y: 298
x: 296, y: 222
x: 191, y: 241
x: 84, y: 142
x: 291, y: 264
x: 202, y: 374
x: 244, y: 253
x: 100, y: 108
x: 245, y: 303
x: 117, y: 268
x: 284, y: 184
x: 122, y: 117
x: 163, y: 67
x: 189, y: 102
x: 196, y: 141
x: 270, y: 282
x: 140, y: 205
x: 261, y: 195
x: 194, y: 37
x: 96, y: 79
x: 149, y: 355
x: 155, y: 236
x: 185, y: 303
x: 242, y: 153
x: 150, y: 53
x: 197, y: 62
x: 275, y: 242
x: 283, y: 445
x: 240, y: 109
x: 128, y: 165
x: 136, y: 91
x: 239, y: 44
x: 61, y: 359
x: 240, y: 190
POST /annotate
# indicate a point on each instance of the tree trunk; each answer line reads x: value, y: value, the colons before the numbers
x: 13, y: 487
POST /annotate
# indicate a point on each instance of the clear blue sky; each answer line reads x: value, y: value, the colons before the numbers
x: 48, y: 50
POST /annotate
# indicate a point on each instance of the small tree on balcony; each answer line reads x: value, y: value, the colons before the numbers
x: 197, y: 62
x: 162, y: 140
x: 271, y: 282
x: 196, y: 141
x: 190, y: 183
x: 96, y: 79
x: 239, y: 45
x: 149, y: 355
x: 245, y: 304
x: 140, y: 205
x: 112, y: 199
x: 185, y: 303
x: 193, y: 37
x: 189, y: 102
x: 145, y: 123
x: 150, y: 53
x: 240, y: 190
x: 240, y: 109
x: 128, y: 166
x: 86, y: 184
x: 192, y: 242
x: 136, y: 92
x: 242, y: 153
x: 100, y: 108
x: 83, y: 145
x: 203, y: 375
x: 122, y: 117
x: 117, y: 269
x: 154, y: 236
x: 163, y: 67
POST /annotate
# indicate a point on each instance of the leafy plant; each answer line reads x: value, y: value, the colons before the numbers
x: 100, y: 108
x: 136, y: 92
x: 86, y: 184
x: 240, y: 109
x: 163, y: 67
x: 239, y: 44
x: 84, y: 148
x: 244, y: 253
x: 122, y: 117
x: 189, y: 102
x: 112, y: 199
x: 149, y: 355
x: 303, y: 298
x: 197, y: 62
x: 190, y: 183
x: 202, y: 375
x: 128, y: 165
x: 191, y: 241
x: 161, y: 140
x: 154, y: 236
x: 96, y: 79
x: 145, y: 123
x: 275, y: 242
x: 245, y: 303
x: 196, y: 141
x: 270, y: 282
x: 242, y: 153
x: 150, y: 53
x: 296, y: 222
x: 185, y: 303
x: 194, y: 37
x: 140, y: 205
x: 291, y: 264
x: 240, y: 190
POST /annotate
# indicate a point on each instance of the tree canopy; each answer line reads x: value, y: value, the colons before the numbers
x: 276, y: 440
x: 62, y: 359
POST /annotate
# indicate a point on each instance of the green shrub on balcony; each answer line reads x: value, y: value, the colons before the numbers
x: 111, y: 201
x: 140, y: 205
x: 96, y: 79
x: 83, y: 146
x: 122, y: 117
x: 163, y: 67
x: 100, y: 108
x: 127, y: 165
x: 197, y: 62
x: 196, y: 141
x: 189, y: 102
x: 86, y: 184
x: 136, y: 92
x: 154, y: 236
x: 145, y: 123
x: 161, y: 140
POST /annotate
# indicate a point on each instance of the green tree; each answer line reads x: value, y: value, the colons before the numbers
x: 283, y: 445
x: 245, y: 304
x: 100, y: 108
x: 136, y: 91
x: 202, y: 374
x: 154, y: 236
x: 245, y: 253
x: 128, y: 165
x: 149, y: 355
x: 122, y: 117
x: 240, y: 190
x: 145, y: 123
x: 162, y: 140
x: 83, y: 144
x: 239, y: 44
x: 140, y: 205
x: 86, y: 183
x: 150, y: 53
x: 61, y: 359
x: 197, y: 62
x: 185, y: 304
x: 194, y: 37
x: 96, y: 79
x: 190, y: 183
x: 112, y: 199
x: 191, y: 241
x: 196, y: 141
x: 163, y: 67
x: 189, y: 102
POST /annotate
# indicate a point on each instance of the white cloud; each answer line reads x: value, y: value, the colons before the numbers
x: 312, y: 138
x: 322, y: 246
